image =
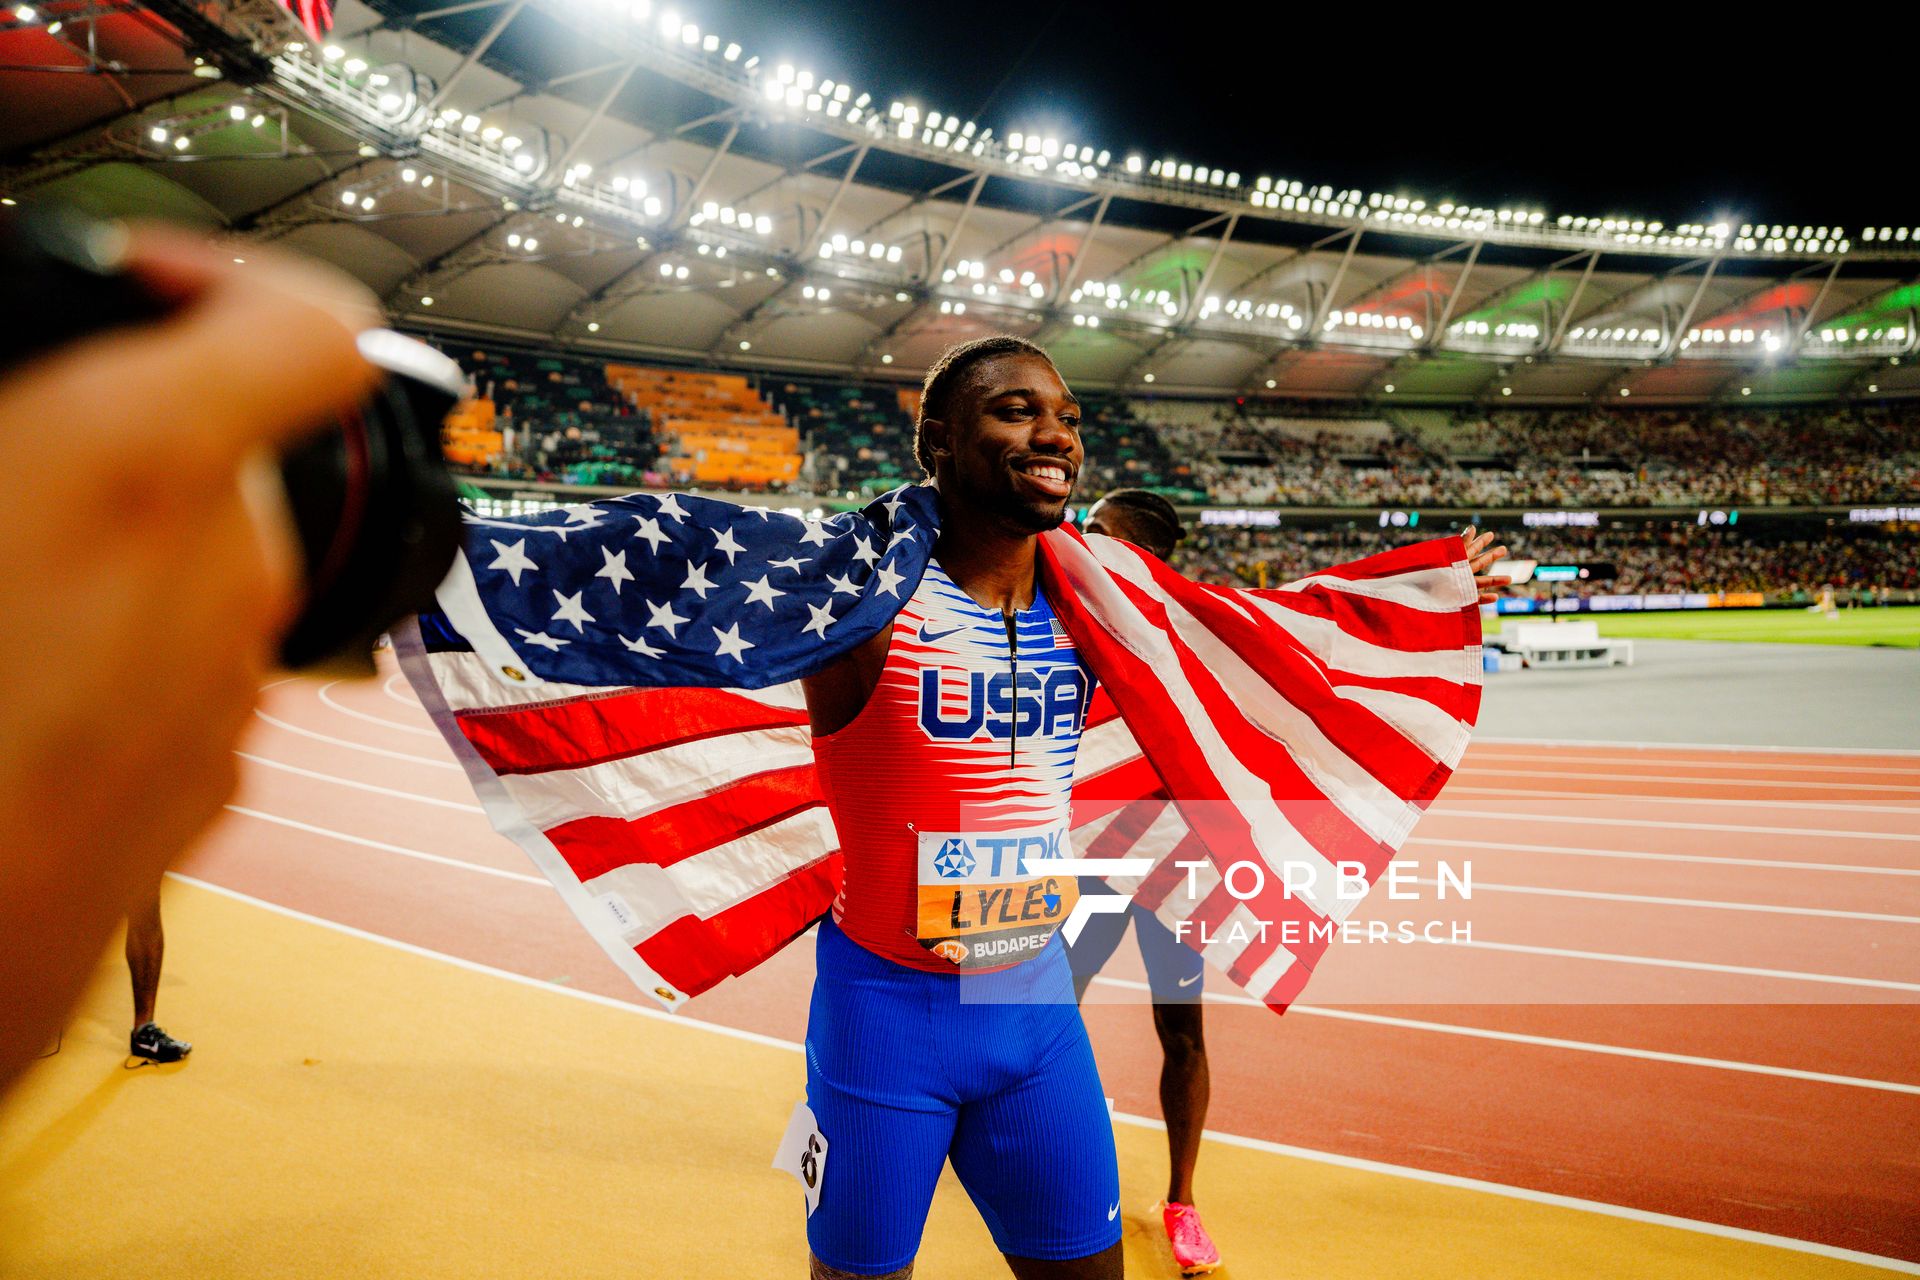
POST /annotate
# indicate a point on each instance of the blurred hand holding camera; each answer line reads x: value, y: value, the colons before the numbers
x: 147, y: 573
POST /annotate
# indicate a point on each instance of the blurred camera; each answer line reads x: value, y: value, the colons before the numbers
x: 375, y: 508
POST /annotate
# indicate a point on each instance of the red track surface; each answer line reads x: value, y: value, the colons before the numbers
x: 1831, y: 1162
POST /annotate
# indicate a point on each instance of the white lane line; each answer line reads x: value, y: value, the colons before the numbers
x: 357, y: 746
x: 1768, y: 784
x: 1475, y: 753
x: 1549, y: 1042
x: 404, y: 699
x: 360, y: 786
x: 1827, y: 912
x: 1702, y: 746
x: 1658, y: 962
x: 383, y: 722
x: 1708, y: 859
x: 384, y: 847
x: 1842, y: 806
x: 1503, y: 816
x: 1257, y: 1144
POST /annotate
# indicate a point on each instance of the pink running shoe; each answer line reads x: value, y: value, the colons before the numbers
x: 1193, y: 1248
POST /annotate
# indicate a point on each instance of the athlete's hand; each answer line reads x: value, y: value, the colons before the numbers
x: 1480, y: 558
x: 151, y: 569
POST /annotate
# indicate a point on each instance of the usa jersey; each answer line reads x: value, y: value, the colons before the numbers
x: 950, y: 790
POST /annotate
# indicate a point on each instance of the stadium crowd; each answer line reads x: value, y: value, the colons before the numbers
x: 562, y: 420
x: 1789, y: 563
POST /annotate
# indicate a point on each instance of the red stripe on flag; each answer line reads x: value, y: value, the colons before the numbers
x: 694, y: 954
x: 577, y: 732
x: 596, y: 845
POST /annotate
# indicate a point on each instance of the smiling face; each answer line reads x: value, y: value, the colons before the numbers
x: 1010, y: 447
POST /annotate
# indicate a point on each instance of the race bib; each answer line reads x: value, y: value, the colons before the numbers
x: 803, y: 1153
x: 988, y: 898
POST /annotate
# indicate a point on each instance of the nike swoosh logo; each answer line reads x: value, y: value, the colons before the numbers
x: 1114, y: 1212
x: 927, y: 637
x: 1187, y: 982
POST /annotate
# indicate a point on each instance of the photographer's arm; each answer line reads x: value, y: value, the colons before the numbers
x: 145, y: 576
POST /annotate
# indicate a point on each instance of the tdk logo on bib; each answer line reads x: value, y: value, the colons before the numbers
x: 1044, y: 704
x: 954, y: 861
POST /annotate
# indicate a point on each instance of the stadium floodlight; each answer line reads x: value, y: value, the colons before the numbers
x: 333, y: 53
x: 886, y: 357
x: 182, y: 142
x: 679, y: 273
x: 354, y: 66
x: 593, y: 326
x: 666, y: 268
x: 349, y: 198
x: 426, y: 301
x: 763, y: 224
x: 774, y: 91
x: 522, y: 162
x: 731, y: 53
x: 24, y: 13
x: 257, y: 121
x: 893, y: 253
x: 745, y: 345
x: 513, y: 240
x: 651, y: 206
x: 236, y: 112
x: 1146, y: 377
x: 711, y: 44
x: 1133, y: 164
x: 639, y: 10
x: 159, y: 134
x: 492, y: 133
x: 470, y: 124
x: 409, y: 176
x: 669, y: 24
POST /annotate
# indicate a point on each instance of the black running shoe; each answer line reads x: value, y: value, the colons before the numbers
x: 155, y: 1045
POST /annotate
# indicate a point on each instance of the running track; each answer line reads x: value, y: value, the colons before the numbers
x: 1693, y: 986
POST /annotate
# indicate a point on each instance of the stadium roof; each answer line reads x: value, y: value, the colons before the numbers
x: 609, y: 177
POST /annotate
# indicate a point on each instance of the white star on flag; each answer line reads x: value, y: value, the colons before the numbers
x: 640, y: 646
x: 571, y: 610
x: 816, y: 534
x: 580, y: 512
x: 890, y: 582
x: 663, y: 617
x: 730, y: 643
x: 864, y: 551
x: 725, y: 545
x: 670, y: 506
x: 697, y: 580
x: 542, y: 639
x: 818, y: 620
x: 794, y: 563
x: 513, y: 559
x: 893, y: 506
x: 843, y: 583
x: 651, y: 531
x: 762, y: 592
x: 615, y: 569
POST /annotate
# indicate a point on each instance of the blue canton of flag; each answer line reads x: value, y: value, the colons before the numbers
x: 673, y: 590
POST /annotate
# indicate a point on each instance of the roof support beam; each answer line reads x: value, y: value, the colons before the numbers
x: 706, y: 175
x: 1693, y: 304
x: 599, y: 113
x: 1194, y: 302
x: 812, y: 242
x: 953, y: 236
x: 1573, y: 305
x: 1080, y: 252
x: 1321, y: 312
x: 1453, y: 296
x: 474, y: 54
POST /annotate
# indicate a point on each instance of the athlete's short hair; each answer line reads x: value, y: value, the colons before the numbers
x: 1149, y: 516
x: 949, y: 372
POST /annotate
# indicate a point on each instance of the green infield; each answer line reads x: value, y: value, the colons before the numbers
x: 1897, y: 627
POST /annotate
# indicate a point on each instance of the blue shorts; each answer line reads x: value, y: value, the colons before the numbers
x: 903, y: 1075
x: 1175, y: 972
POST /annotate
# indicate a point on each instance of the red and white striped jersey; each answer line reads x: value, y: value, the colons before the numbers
x: 951, y: 789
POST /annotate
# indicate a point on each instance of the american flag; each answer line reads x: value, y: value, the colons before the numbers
x: 620, y: 680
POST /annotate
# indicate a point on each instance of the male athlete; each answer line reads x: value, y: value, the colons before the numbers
x: 146, y: 945
x: 943, y: 1025
x: 1175, y: 972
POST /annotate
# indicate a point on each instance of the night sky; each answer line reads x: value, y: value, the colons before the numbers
x: 1607, y: 109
